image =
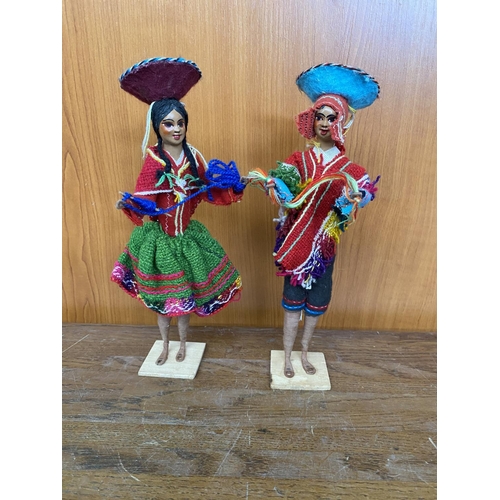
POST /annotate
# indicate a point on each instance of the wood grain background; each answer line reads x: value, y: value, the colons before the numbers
x: 250, y: 52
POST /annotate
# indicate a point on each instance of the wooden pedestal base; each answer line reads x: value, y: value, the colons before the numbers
x: 186, y: 369
x: 320, y: 381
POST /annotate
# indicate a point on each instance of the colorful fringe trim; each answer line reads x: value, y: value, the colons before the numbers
x: 323, y: 251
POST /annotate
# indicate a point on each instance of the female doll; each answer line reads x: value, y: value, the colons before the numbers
x: 319, y: 191
x: 171, y: 263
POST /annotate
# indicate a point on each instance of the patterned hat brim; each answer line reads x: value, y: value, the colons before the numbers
x: 160, y: 78
x: 356, y: 86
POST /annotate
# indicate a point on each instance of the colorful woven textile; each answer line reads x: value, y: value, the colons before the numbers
x: 177, y: 275
x: 172, y: 264
x: 307, y: 236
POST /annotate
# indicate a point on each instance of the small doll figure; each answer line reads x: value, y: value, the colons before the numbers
x: 171, y: 263
x: 319, y: 192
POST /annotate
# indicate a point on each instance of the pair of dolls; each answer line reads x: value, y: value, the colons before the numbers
x: 175, y: 267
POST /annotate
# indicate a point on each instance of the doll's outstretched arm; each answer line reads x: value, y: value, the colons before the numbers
x: 135, y: 207
x: 133, y: 216
x: 362, y: 195
x: 356, y: 194
x: 361, y: 188
x: 145, y: 193
x: 221, y: 181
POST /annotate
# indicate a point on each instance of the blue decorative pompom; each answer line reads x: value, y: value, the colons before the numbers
x: 224, y: 176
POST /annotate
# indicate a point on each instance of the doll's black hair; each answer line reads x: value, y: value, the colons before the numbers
x: 159, y: 111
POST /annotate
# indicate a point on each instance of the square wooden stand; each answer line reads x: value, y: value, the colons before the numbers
x: 320, y: 381
x: 186, y: 369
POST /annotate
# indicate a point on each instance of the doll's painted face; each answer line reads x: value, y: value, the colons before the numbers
x: 173, y: 129
x: 323, y: 120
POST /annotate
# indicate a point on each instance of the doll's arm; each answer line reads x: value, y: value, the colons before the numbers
x: 363, y: 193
x: 133, y: 216
x: 145, y: 189
x: 365, y: 186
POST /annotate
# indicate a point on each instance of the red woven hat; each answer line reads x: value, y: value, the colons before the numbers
x: 160, y: 78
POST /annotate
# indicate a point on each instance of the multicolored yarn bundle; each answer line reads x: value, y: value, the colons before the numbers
x: 280, y: 192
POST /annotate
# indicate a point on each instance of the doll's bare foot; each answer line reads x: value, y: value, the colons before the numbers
x: 308, y: 368
x: 289, y: 373
x: 163, y: 356
x: 182, y: 352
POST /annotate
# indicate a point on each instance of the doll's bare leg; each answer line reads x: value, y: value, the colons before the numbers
x: 164, y: 325
x: 309, y: 326
x: 290, y: 327
x: 182, y: 325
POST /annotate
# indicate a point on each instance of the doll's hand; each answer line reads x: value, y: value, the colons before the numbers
x: 357, y: 197
x: 119, y: 205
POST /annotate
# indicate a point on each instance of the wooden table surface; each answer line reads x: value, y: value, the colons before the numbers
x: 227, y: 435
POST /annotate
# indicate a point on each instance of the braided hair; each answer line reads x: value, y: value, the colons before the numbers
x: 159, y: 111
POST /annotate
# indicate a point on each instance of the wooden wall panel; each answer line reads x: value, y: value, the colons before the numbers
x: 250, y: 52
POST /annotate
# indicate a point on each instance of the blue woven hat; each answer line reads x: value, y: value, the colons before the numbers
x: 356, y: 86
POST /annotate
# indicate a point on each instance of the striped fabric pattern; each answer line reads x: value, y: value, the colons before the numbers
x: 189, y: 273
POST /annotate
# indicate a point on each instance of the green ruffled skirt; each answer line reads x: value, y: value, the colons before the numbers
x: 177, y: 275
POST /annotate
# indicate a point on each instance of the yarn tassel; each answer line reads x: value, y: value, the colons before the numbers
x: 145, y: 140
